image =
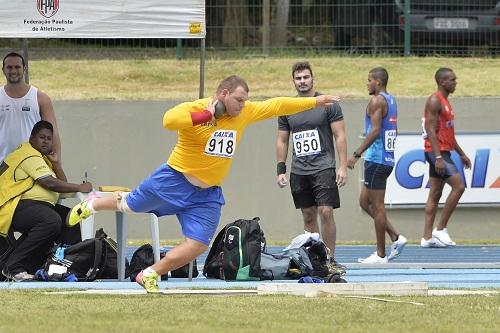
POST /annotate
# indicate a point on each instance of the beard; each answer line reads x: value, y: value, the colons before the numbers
x: 19, y: 80
x: 303, y: 89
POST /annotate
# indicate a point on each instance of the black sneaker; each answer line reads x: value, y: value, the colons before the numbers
x: 334, y: 278
x: 335, y: 267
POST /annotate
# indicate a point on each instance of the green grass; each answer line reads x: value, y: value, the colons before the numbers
x: 155, y: 79
x: 35, y: 311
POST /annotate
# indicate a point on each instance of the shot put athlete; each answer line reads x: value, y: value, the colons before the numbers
x: 188, y: 185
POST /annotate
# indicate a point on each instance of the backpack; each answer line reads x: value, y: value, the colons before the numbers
x: 183, y: 272
x: 91, y: 259
x: 236, y: 251
x: 143, y: 257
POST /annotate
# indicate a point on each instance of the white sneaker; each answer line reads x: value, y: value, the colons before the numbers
x: 443, y: 236
x: 431, y: 242
x: 397, y: 247
x: 373, y: 259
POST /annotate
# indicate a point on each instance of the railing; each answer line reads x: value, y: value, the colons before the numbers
x: 274, y: 27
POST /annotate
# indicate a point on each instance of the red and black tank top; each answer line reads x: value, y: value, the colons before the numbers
x: 445, y: 129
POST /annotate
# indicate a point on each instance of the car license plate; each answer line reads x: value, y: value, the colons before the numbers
x: 451, y: 23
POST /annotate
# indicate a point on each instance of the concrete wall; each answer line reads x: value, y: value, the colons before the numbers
x: 120, y: 143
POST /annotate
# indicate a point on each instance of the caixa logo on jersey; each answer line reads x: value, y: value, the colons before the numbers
x: 47, y: 8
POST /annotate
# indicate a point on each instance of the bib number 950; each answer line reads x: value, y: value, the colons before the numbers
x: 306, y: 143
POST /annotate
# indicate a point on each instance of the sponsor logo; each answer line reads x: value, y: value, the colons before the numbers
x: 195, y: 27
x: 47, y: 8
x: 224, y: 134
x: 212, y: 123
x: 305, y: 134
x: 414, y: 181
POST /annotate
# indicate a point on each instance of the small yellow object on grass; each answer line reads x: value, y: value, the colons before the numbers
x: 112, y: 188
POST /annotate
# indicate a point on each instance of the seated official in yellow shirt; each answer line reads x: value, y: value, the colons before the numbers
x: 32, y: 178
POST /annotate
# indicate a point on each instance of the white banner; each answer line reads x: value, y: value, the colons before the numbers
x: 408, y: 183
x: 102, y: 19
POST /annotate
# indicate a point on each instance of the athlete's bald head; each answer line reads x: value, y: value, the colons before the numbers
x: 380, y: 73
x: 442, y: 73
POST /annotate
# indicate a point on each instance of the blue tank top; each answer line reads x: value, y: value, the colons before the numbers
x: 382, y: 149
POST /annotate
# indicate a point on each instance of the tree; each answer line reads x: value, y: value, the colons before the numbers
x: 236, y: 23
x: 279, y: 36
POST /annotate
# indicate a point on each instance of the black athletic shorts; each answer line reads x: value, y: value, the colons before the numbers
x: 376, y: 175
x: 319, y: 189
x: 449, y: 165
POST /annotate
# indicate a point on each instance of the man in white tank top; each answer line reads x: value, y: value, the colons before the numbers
x: 21, y: 106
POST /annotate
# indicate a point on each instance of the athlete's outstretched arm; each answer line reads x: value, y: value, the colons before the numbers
x: 284, y: 106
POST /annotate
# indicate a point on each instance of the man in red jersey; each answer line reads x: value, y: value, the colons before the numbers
x: 439, y: 137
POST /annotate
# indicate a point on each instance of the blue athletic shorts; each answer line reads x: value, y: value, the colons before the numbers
x: 167, y: 192
x: 449, y: 166
x: 376, y: 175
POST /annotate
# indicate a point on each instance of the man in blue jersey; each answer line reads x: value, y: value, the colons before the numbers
x: 381, y: 128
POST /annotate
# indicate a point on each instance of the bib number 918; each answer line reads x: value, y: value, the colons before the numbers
x: 222, y: 143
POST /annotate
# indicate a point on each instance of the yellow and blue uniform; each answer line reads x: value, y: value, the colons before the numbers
x: 194, y: 154
x: 204, y: 151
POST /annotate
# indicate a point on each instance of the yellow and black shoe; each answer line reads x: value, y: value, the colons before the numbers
x: 78, y: 213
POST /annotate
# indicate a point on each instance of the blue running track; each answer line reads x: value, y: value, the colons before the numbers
x: 454, y: 267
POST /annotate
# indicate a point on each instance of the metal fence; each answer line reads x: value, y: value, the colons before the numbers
x: 272, y: 27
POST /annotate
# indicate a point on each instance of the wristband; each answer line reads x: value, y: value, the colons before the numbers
x: 201, y: 117
x: 281, y: 168
x: 355, y: 154
x: 439, y: 157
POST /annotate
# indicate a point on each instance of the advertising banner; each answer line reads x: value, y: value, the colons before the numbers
x: 408, y: 183
x: 102, y: 19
